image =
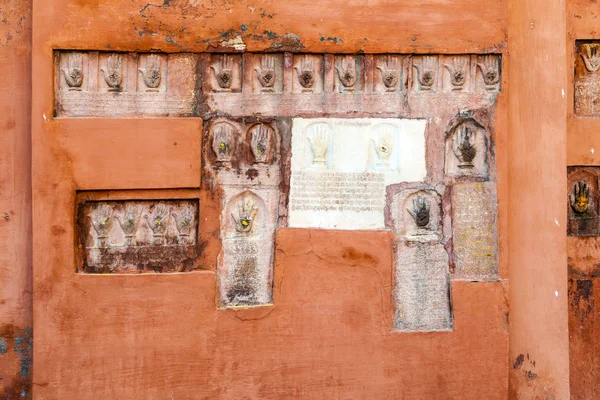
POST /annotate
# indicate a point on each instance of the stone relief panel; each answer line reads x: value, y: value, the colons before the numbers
x: 267, y: 73
x: 474, y: 232
x: 389, y: 76
x: 245, y: 267
x: 121, y: 84
x: 587, y: 78
x: 582, y: 199
x: 466, y: 147
x: 421, y: 273
x: 115, y: 84
x: 308, y: 73
x: 137, y: 236
x: 244, y: 160
x: 340, y: 169
x: 421, y: 291
x: 225, y: 73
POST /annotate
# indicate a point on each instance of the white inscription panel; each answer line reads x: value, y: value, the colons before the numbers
x: 341, y: 167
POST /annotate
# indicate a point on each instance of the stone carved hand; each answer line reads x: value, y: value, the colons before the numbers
x: 580, y: 198
x: 223, y: 71
x: 306, y: 72
x: 384, y: 144
x: 222, y: 141
x: 420, y: 211
x: 389, y: 72
x: 319, y: 143
x: 246, y: 216
x: 464, y: 147
x: 151, y: 74
x: 490, y: 69
x: 158, y: 220
x: 347, y: 72
x: 128, y: 222
x: 112, y: 72
x: 426, y: 71
x: 458, y: 71
x: 261, y: 143
x: 591, y: 56
x: 74, y: 71
x: 184, y: 221
x: 102, y: 223
x: 266, y: 72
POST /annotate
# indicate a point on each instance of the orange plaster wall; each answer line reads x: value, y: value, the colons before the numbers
x: 329, y: 333
x: 584, y: 284
x: 15, y: 199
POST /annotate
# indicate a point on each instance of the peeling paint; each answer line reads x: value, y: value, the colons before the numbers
x: 236, y: 43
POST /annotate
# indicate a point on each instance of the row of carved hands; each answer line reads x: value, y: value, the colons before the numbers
x: 426, y: 70
x: 261, y: 142
x: 113, y: 73
x: 103, y: 216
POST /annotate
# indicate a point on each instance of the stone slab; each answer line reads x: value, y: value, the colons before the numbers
x: 340, y: 169
x: 138, y: 236
x: 421, y: 289
x: 475, y: 242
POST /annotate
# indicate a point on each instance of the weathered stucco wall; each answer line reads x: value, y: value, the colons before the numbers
x: 584, y: 283
x: 15, y: 200
x: 329, y: 333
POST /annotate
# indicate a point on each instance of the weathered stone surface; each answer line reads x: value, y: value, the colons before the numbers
x: 97, y: 84
x: 421, y: 289
x: 587, y: 79
x: 138, y: 236
x: 341, y: 167
x: 582, y: 200
x: 244, y: 157
x: 466, y: 148
x: 474, y: 237
x: 417, y: 215
x: 245, y: 267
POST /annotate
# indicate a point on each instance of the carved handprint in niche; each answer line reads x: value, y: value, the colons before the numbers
x: 74, y: 71
x: 112, y: 72
x: 223, y: 71
x: 319, y: 144
x: 129, y: 223
x: 266, y: 73
x: 151, y: 74
x: 580, y: 198
x: 426, y: 72
x: 184, y: 220
x: 157, y: 222
x: 306, y: 72
x: 384, y: 146
x: 420, y: 211
x: 463, y: 146
x: 102, y: 223
x: 591, y: 56
x: 261, y: 143
x: 222, y: 141
x: 458, y: 71
x: 247, y: 211
x: 490, y: 69
x: 347, y: 72
x: 389, y: 73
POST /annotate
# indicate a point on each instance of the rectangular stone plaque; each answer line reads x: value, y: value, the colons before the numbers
x: 138, y: 236
x: 102, y: 84
x: 341, y: 167
x: 475, y: 243
x: 421, y: 289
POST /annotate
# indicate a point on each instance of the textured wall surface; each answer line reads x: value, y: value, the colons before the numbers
x: 15, y: 201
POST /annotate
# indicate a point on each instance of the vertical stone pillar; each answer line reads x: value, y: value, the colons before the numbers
x: 537, y: 76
